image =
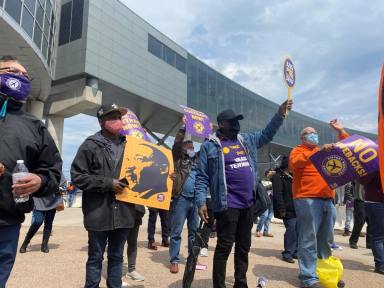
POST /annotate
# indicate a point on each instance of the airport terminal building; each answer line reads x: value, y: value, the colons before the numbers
x: 82, y: 53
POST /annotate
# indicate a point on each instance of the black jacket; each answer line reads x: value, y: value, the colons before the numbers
x: 24, y: 137
x: 283, y: 206
x: 93, y: 171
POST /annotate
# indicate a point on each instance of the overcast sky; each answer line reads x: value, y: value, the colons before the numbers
x: 337, y: 48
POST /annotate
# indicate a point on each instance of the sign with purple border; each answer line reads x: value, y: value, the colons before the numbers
x: 289, y: 73
x: 132, y: 127
x: 196, y: 122
x: 352, y: 158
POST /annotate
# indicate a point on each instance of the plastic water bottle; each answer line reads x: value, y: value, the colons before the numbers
x: 20, y: 171
x: 262, y: 282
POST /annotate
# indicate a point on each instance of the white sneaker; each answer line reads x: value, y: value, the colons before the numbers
x: 203, y: 252
x: 124, y: 285
x: 135, y: 276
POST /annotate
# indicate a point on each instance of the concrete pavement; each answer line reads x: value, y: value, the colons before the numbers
x: 64, y: 266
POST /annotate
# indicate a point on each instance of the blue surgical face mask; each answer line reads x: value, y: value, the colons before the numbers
x: 312, y: 138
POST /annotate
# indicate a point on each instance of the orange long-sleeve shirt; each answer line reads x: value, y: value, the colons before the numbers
x: 307, y: 181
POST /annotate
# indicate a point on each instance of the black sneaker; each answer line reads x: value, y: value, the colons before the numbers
x: 379, y: 270
x: 288, y: 260
x: 346, y: 233
x: 341, y: 284
x: 353, y: 245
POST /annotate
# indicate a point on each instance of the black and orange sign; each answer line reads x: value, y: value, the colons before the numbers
x: 147, y: 167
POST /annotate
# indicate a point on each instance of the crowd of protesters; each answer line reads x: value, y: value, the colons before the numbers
x: 219, y: 184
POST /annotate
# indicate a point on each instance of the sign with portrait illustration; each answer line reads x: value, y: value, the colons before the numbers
x: 352, y: 158
x: 196, y: 122
x: 146, y: 167
x: 132, y: 126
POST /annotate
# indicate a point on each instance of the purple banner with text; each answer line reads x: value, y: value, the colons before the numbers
x: 132, y: 127
x: 352, y: 158
x: 196, y: 122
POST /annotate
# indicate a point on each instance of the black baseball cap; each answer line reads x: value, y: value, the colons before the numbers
x: 109, y: 108
x: 229, y: 115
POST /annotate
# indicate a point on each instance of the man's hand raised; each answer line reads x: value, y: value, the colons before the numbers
x: 286, y: 106
x: 336, y: 124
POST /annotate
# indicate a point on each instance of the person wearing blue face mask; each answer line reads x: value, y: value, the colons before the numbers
x: 313, y: 201
x: 23, y: 137
x: 183, y: 206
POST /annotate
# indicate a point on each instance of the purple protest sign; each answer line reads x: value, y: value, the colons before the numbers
x: 132, y: 126
x: 289, y: 73
x: 196, y: 122
x: 352, y: 158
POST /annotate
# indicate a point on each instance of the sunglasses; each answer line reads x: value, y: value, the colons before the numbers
x: 16, y: 71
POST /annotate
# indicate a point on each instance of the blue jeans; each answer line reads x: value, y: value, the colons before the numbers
x: 97, y: 240
x: 182, y: 208
x: 265, y: 220
x: 290, y: 238
x: 40, y: 217
x: 9, y: 237
x: 315, y: 221
x: 375, y: 214
x: 348, y: 218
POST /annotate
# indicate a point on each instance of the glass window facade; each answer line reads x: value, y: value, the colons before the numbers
x: 13, y: 8
x: 27, y: 22
x: 165, y: 53
x: 77, y: 19
x: 71, y: 21
x: 30, y: 4
x: 211, y: 93
x: 35, y: 18
x: 65, y: 23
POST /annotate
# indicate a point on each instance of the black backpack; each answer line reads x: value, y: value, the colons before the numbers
x: 262, y: 202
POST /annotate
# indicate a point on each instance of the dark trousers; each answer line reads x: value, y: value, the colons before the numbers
x: 152, y: 218
x: 133, y: 233
x: 40, y: 217
x: 9, y: 237
x: 97, y: 240
x: 359, y: 219
x: 375, y: 214
x: 290, y: 238
x: 232, y: 226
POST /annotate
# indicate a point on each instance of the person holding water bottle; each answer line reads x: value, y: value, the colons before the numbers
x: 30, y: 162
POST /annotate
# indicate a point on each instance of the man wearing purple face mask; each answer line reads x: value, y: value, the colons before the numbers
x: 95, y: 170
x: 22, y: 137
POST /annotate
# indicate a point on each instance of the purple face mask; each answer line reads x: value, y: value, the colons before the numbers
x: 14, y: 86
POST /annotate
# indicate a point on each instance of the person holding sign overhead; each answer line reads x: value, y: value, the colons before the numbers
x: 228, y: 167
x: 95, y: 170
x: 315, y: 212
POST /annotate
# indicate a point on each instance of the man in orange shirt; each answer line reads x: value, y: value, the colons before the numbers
x: 315, y: 211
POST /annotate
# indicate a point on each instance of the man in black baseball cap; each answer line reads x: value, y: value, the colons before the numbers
x: 110, y: 108
x: 96, y: 170
x: 228, y: 166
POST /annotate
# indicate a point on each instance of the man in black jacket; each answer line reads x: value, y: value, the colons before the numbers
x: 95, y: 170
x: 22, y: 137
x: 284, y: 209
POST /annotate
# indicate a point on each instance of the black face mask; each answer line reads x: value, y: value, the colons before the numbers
x: 234, y: 126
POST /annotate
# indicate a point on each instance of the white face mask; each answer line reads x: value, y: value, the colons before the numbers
x: 191, y: 153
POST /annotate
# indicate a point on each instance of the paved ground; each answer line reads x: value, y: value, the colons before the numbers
x: 64, y: 266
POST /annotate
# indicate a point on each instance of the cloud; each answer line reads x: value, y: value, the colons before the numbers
x: 337, y: 48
